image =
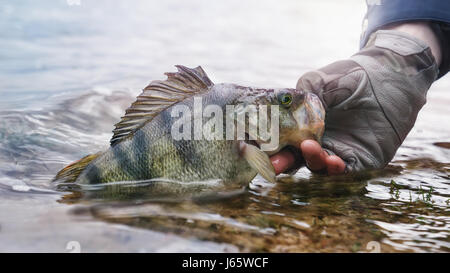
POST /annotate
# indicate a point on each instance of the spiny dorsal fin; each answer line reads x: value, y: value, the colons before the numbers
x: 160, y: 95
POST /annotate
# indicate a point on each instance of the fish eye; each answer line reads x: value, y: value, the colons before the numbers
x: 285, y: 99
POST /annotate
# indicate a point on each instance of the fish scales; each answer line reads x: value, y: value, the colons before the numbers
x: 143, y: 149
x: 153, y: 153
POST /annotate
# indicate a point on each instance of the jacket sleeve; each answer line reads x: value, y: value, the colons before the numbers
x: 385, y: 12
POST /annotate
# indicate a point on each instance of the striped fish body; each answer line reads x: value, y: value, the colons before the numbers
x: 152, y: 152
x: 143, y: 146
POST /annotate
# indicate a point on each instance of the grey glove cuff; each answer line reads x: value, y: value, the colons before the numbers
x: 401, y: 69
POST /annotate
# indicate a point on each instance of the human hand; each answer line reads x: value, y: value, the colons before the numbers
x: 371, y: 102
x: 316, y: 158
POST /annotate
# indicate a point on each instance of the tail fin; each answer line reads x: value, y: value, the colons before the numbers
x: 71, y: 172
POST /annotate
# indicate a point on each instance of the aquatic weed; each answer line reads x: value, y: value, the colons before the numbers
x: 423, y: 195
x: 394, y: 189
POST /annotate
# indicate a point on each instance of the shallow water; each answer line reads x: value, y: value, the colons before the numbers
x: 69, y: 71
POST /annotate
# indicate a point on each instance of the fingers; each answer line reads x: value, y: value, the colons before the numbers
x: 335, y: 165
x: 316, y: 158
x: 282, y: 161
x: 314, y: 155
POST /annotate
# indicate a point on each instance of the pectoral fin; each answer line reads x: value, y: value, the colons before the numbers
x: 259, y: 161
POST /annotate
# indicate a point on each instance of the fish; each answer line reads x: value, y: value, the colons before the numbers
x: 145, y: 149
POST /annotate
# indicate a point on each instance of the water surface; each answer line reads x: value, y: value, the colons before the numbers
x: 67, y: 73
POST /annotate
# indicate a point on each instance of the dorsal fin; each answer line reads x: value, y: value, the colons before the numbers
x: 160, y: 95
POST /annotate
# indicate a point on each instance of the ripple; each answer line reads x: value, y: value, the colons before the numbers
x: 67, y: 75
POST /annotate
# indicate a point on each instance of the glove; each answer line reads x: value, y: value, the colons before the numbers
x: 373, y: 98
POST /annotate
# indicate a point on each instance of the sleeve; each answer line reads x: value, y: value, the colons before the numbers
x: 384, y: 12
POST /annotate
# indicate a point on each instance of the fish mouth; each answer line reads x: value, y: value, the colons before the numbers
x: 310, y: 118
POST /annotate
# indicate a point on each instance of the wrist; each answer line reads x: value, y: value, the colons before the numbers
x: 400, y: 68
x: 422, y: 31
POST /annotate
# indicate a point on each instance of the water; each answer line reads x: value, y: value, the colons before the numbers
x: 68, y: 71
